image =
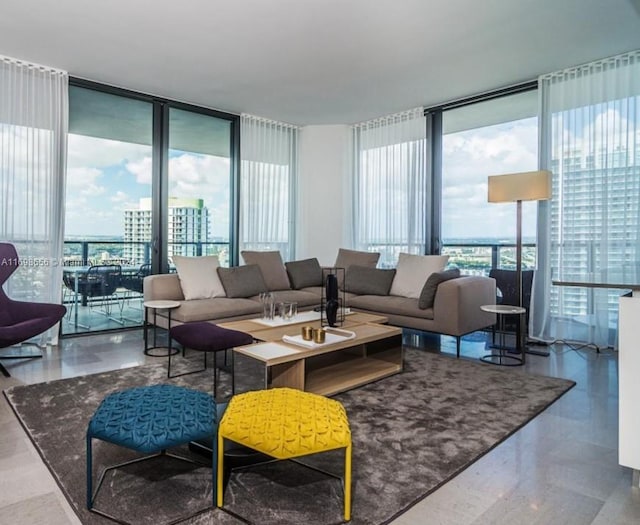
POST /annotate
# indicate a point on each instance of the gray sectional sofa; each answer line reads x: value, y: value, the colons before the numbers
x: 455, y: 308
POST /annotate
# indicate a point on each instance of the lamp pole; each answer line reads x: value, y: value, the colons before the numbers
x: 519, y: 331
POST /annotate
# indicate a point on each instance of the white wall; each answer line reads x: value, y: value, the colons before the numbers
x: 324, y: 192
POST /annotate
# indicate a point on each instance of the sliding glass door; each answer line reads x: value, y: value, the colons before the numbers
x: 108, y: 175
x: 146, y: 179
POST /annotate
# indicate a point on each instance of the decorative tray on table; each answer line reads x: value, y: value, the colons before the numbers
x: 333, y: 336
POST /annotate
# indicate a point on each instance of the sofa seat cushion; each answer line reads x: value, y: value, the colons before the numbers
x: 218, y: 308
x: 390, y: 304
x: 317, y: 290
x: 299, y: 296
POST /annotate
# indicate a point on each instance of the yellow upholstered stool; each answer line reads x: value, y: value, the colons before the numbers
x: 285, y: 423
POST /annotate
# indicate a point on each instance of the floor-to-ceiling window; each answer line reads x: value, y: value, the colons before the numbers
x: 198, y: 220
x: 109, y: 146
x: 147, y: 178
x: 490, y: 137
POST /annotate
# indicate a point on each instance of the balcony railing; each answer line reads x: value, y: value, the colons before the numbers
x: 131, y: 253
x: 481, y: 258
x: 126, y: 308
x: 471, y: 258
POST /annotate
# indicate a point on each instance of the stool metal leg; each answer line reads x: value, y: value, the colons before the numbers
x: 220, y: 469
x: 347, y: 483
x: 89, y: 473
x: 233, y: 374
x: 215, y: 375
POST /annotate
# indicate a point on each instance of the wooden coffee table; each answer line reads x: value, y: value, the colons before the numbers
x: 374, y: 353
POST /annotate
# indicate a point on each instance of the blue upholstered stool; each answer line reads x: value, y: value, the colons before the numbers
x: 150, y: 420
x: 206, y: 337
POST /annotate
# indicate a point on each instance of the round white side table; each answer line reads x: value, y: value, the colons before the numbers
x: 155, y: 306
x: 500, y: 357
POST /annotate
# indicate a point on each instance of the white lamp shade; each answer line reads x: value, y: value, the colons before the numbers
x: 525, y: 186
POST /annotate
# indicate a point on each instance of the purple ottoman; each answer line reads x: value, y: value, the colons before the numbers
x: 207, y: 337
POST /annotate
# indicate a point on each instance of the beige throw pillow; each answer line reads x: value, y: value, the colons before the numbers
x: 199, y: 277
x: 413, y: 271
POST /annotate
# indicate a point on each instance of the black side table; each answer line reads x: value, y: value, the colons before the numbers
x: 501, y: 358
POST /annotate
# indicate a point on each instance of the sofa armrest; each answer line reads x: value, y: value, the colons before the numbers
x: 456, y: 308
x: 162, y: 287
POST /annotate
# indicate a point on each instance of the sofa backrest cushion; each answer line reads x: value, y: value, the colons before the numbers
x: 428, y: 294
x: 242, y: 281
x: 413, y: 271
x: 272, y: 268
x: 363, y: 280
x: 305, y: 273
x: 199, y: 277
x: 348, y: 258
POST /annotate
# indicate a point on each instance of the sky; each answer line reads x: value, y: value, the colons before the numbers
x: 107, y: 177
x: 469, y: 158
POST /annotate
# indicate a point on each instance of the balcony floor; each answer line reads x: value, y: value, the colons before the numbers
x: 93, y: 319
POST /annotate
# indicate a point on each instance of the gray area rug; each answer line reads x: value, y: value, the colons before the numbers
x: 411, y: 433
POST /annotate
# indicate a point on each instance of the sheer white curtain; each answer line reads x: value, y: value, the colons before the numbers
x: 590, y: 140
x: 33, y: 135
x: 269, y: 171
x: 391, y: 188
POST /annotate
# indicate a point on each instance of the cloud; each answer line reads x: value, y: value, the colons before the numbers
x: 142, y: 169
x: 198, y: 176
x: 84, y: 182
x: 469, y: 157
x: 120, y: 196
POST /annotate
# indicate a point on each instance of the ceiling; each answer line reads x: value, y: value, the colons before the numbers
x: 316, y: 61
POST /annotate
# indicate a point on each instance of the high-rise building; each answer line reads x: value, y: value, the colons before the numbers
x: 188, y: 229
x: 600, y: 194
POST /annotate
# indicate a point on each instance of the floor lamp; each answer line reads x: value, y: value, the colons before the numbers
x: 518, y: 187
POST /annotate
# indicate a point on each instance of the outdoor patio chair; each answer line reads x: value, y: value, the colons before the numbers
x: 507, y: 290
x: 99, y: 286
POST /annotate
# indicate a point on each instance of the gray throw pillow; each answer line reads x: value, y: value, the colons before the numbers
x: 428, y: 294
x: 347, y: 258
x: 305, y: 273
x: 364, y: 280
x: 242, y: 281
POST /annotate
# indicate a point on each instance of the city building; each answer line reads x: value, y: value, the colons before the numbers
x: 187, y: 232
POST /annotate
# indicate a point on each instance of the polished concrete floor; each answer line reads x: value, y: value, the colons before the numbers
x: 561, y: 468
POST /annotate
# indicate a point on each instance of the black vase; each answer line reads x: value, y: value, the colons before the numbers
x: 331, y: 290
